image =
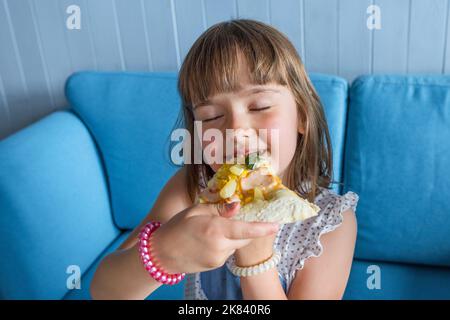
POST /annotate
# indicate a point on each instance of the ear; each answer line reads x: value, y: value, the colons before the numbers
x: 301, y: 126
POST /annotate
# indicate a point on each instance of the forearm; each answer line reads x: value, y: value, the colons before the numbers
x: 263, y: 286
x: 121, y: 275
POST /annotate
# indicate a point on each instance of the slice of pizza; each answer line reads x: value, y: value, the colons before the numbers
x: 260, y: 191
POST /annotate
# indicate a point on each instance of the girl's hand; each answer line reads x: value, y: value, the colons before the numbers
x: 202, y: 238
x: 257, y: 251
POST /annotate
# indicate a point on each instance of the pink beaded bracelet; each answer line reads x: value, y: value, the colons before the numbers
x: 155, y: 270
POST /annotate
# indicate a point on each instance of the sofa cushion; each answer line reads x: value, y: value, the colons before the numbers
x: 131, y: 116
x: 175, y: 292
x: 374, y: 280
x: 398, y: 159
x: 54, y: 205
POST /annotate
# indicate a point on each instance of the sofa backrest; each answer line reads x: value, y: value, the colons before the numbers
x: 131, y: 116
x: 55, y: 215
x: 333, y: 93
x: 397, y: 158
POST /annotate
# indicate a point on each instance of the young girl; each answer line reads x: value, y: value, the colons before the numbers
x: 244, y: 75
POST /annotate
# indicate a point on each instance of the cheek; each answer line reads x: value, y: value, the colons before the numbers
x: 284, y: 140
x: 215, y: 166
x: 214, y: 148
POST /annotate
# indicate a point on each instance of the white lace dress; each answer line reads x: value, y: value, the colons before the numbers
x: 296, y: 242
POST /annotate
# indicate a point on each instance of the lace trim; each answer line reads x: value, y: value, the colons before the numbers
x: 193, y: 289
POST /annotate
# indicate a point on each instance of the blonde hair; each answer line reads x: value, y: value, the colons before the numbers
x: 211, y: 66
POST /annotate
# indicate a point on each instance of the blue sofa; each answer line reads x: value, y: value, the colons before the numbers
x: 74, y: 184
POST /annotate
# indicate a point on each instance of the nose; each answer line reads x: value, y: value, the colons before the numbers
x: 242, y: 134
x: 238, y: 120
x: 241, y: 126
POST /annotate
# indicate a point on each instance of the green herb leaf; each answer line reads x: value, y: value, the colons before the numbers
x: 250, y: 160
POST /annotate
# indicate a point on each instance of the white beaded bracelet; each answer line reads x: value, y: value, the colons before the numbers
x: 256, y: 269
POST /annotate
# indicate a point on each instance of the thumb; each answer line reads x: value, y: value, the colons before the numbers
x: 227, y: 210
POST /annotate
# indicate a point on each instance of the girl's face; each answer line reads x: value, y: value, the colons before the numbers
x: 248, y: 110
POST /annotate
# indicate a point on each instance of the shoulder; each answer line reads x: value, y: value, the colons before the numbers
x: 309, y: 238
x: 329, y: 201
x: 326, y: 276
x: 173, y: 198
x: 335, y: 211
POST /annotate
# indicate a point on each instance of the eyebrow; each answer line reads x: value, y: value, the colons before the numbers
x: 246, y: 92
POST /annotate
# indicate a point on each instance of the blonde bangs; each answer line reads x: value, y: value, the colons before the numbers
x: 212, y: 64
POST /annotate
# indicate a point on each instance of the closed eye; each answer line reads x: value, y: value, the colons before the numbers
x: 212, y: 119
x: 260, y: 109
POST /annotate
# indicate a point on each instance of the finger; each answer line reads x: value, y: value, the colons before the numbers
x: 226, y: 210
x: 234, y: 245
x: 248, y: 230
x: 229, y: 209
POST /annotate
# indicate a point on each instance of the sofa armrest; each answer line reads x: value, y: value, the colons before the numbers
x: 55, y: 215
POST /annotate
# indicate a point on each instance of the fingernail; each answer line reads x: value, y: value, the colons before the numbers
x: 230, y: 205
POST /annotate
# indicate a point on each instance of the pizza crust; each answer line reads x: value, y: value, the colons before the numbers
x: 283, y: 206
